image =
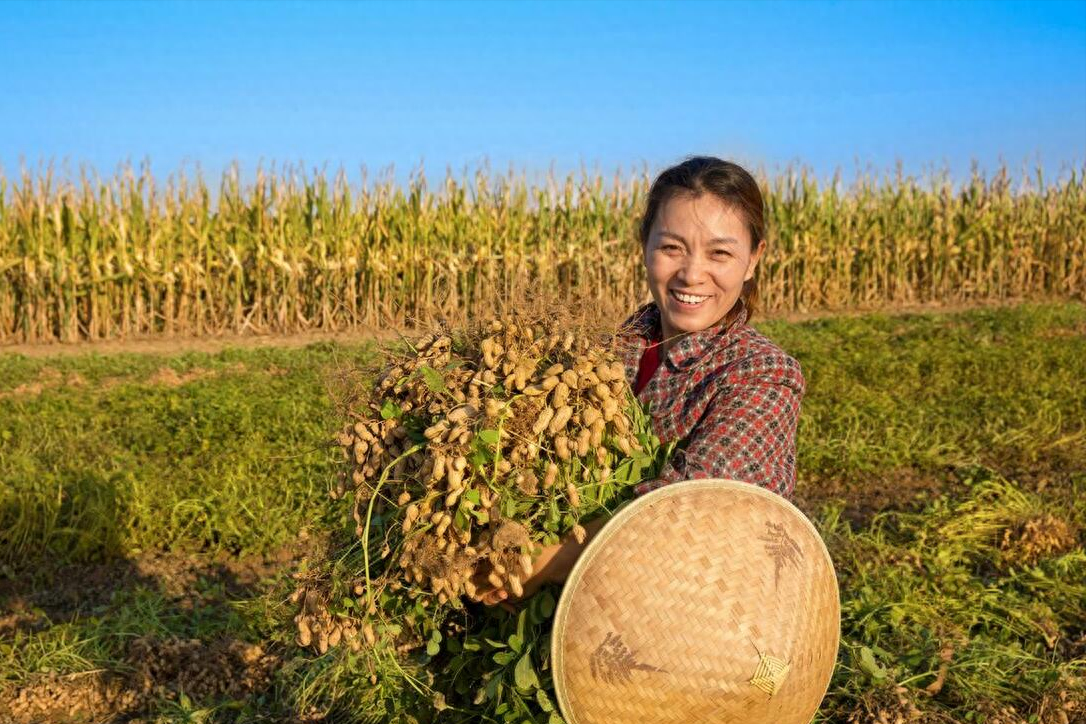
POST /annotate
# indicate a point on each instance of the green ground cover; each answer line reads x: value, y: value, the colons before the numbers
x: 151, y: 508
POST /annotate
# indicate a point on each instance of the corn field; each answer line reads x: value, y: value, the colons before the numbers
x: 131, y: 257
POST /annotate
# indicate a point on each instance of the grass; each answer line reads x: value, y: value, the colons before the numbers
x: 991, y: 387
x: 129, y: 458
x: 111, y: 462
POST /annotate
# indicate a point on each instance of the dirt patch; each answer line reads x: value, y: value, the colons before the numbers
x: 1062, y: 705
x: 47, y: 378
x: 161, y: 669
x: 174, y: 345
x: 901, y: 490
x: 892, y: 706
x: 152, y: 668
x: 168, y: 377
x: 21, y: 620
x: 1077, y: 330
x: 27, y: 602
x: 227, y: 668
x: 1072, y: 647
x: 1056, y: 473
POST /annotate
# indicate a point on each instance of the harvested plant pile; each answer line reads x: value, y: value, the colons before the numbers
x: 471, y: 454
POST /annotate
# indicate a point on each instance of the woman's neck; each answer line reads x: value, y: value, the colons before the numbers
x: 668, y: 338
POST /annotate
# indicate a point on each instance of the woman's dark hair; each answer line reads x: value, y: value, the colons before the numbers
x: 730, y: 183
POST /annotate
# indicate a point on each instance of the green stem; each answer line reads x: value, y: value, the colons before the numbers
x: 369, y: 517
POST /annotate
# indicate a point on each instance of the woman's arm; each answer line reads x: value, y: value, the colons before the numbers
x: 552, y: 565
x: 748, y: 431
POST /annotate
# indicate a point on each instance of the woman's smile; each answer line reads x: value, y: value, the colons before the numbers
x: 689, y: 301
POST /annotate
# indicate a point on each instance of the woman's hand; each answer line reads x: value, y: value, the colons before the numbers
x: 552, y: 565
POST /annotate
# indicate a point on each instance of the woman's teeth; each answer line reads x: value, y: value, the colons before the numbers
x: 688, y: 298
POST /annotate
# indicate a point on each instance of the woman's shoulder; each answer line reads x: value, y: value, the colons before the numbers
x: 755, y: 354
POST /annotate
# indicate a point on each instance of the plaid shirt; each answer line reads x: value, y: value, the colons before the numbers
x: 728, y: 394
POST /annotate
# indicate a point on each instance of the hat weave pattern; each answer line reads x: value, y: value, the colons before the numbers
x: 702, y: 601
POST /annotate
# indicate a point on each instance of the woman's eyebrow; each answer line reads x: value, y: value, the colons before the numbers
x: 714, y: 240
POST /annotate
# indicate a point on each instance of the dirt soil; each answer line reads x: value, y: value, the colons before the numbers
x: 85, y: 589
x: 904, y: 490
x: 160, y: 669
x: 151, y: 669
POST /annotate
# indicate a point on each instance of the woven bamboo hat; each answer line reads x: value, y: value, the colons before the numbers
x: 702, y: 601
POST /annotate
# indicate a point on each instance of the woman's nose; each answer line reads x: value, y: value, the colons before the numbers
x: 693, y: 269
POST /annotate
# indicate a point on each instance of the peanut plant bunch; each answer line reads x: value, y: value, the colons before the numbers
x: 470, y: 453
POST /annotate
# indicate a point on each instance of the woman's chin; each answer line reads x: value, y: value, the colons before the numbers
x: 682, y: 320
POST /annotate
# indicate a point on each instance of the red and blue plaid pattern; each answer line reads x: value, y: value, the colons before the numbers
x: 728, y: 394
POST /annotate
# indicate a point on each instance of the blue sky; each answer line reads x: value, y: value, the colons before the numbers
x: 607, y: 85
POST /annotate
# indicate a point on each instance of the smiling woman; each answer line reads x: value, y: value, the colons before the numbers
x: 728, y: 396
x: 725, y: 393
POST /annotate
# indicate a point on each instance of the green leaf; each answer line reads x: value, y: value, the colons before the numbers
x: 524, y: 673
x: 509, y: 507
x: 472, y: 496
x: 472, y: 645
x: 869, y: 666
x: 550, y: 523
x: 543, y: 700
x: 432, y: 648
x: 490, y: 437
x: 390, y: 410
x: 546, y: 604
x: 493, y: 688
x: 504, y: 657
x: 534, y: 617
x: 432, y: 378
x: 555, y: 719
x: 480, y: 515
x: 516, y: 643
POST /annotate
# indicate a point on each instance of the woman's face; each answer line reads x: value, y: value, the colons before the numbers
x: 697, y: 257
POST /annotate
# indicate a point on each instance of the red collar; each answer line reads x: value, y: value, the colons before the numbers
x: 650, y: 362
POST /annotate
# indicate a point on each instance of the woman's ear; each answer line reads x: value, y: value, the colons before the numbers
x: 752, y: 265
